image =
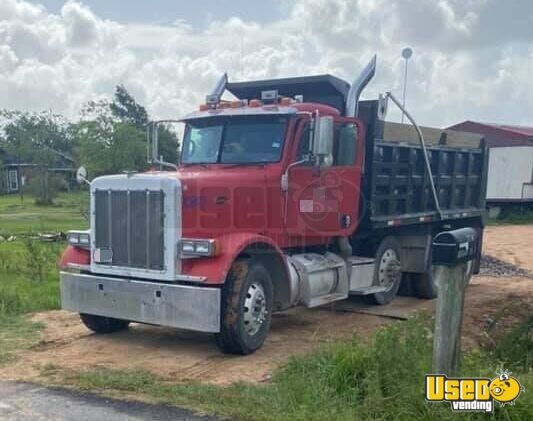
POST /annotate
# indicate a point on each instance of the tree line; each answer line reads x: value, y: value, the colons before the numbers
x: 109, y: 137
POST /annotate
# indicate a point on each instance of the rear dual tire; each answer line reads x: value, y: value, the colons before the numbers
x: 425, y: 284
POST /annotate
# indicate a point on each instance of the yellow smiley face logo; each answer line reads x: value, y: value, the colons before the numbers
x: 505, y: 389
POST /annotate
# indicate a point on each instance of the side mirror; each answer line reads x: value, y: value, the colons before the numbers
x: 323, y: 139
x: 81, y: 176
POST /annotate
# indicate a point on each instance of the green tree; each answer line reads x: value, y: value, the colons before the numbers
x: 39, y: 139
x: 107, y: 147
x: 26, y: 135
x: 168, y: 144
x: 126, y: 109
x: 100, y: 135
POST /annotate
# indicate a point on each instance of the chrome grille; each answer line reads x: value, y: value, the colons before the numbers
x: 130, y: 224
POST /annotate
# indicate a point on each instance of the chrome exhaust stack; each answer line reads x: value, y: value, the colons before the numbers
x: 214, y: 97
x: 359, y: 84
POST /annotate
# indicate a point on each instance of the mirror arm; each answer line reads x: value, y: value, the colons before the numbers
x: 153, y: 143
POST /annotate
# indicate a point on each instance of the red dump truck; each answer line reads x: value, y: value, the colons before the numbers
x: 289, y: 195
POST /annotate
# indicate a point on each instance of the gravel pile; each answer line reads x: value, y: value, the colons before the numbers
x: 491, y: 266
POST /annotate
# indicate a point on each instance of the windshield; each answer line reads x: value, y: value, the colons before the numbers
x: 234, y: 140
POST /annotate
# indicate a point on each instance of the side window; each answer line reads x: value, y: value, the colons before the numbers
x: 344, y: 144
x: 304, y: 143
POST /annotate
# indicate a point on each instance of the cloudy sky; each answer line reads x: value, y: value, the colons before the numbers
x: 473, y: 59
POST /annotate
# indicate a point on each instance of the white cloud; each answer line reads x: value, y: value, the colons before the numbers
x: 472, y: 57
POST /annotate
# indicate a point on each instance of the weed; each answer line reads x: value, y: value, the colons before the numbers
x: 41, y: 258
x: 379, y: 380
x: 22, y: 290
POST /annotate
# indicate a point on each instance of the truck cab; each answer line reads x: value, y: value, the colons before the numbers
x: 266, y: 210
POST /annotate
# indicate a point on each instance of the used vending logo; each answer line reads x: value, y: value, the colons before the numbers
x: 473, y: 394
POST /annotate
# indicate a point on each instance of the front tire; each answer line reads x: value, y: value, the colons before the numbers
x: 101, y: 324
x: 246, y: 308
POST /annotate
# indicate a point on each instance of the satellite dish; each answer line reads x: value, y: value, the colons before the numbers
x: 407, y: 53
x: 81, y: 175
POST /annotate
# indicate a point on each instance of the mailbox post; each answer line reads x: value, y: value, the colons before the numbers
x: 452, y: 251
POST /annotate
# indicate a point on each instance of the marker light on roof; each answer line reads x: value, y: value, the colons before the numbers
x: 270, y: 96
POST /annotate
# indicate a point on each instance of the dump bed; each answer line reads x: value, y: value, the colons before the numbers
x: 396, y: 186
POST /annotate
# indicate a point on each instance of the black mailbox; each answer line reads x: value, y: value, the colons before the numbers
x: 453, y: 247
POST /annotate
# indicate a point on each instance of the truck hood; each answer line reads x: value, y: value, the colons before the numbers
x: 216, y: 200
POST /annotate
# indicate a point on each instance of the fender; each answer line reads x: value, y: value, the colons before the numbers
x: 215, y: 269
x: 75, y: 255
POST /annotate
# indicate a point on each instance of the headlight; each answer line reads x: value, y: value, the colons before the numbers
x: 192, y: 248
x: 79, y: 239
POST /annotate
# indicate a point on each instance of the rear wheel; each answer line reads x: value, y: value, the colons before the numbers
x: 387, y: 271
x: 246, y: 308
x: 101, y: 324
x: 425, y: 284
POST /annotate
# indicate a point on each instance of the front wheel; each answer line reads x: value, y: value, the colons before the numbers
x: 246, y: 308
x: 101, y: 324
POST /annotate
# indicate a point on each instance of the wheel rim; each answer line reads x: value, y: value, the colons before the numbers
x: 389, y: 269
x: 255, y: 308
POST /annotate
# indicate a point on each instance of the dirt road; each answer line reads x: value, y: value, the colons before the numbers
x: 188, y: 356
x: 512, y: 243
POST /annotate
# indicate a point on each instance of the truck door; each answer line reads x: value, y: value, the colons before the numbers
x: 325, y: 201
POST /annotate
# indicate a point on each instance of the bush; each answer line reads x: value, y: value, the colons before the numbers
x: 45, y: 187
x: 41, y: 259
x: 28, y: 277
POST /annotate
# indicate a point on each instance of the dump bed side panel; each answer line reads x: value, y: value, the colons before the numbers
x: 400, y: 187
x: 396, y: 185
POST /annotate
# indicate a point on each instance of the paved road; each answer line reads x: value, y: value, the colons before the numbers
x: 24, y: 401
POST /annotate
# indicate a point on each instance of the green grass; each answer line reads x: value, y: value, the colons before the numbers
x: 16, y: 334
x: 28, y: 277
x: 513, y: 217
x: 380, y: 380
x: 27, y: 284
x: 28, y: 268
x: 25, y: 217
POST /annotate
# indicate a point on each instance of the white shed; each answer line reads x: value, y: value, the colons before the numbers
x: 510, y: 176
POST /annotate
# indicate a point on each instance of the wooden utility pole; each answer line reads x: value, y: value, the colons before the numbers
x: 451, y: 283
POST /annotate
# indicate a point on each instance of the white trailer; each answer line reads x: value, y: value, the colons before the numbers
x: 510, y: 178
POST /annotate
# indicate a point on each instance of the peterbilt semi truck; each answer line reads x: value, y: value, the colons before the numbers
x: 288, y: 195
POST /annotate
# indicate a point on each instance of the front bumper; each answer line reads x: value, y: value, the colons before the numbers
x: 181, y: 306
